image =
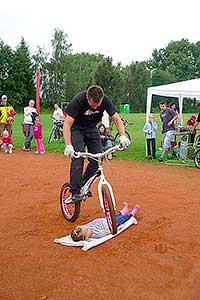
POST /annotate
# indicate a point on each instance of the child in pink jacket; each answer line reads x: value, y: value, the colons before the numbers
x: 37, y: 133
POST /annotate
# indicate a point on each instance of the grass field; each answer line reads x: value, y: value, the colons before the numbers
x: 136, y: 150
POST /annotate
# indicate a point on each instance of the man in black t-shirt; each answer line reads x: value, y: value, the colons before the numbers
x: 84, y: 112
x: 197, y: 120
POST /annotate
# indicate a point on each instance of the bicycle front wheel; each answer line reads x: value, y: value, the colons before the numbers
x: 117, y: 136
x: 69, y: 210
x: 109, y: 209
x: 197, y: 159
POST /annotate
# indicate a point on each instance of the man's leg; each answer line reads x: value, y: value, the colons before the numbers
x: 76, y: 169
x: 8, y: 127
x: 2, y: 128
x: 94, y: 146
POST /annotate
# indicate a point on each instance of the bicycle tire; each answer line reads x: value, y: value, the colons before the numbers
x: 117, y: 136
x: 197, y: 158
x: 109, y: 209
x: 71, y: 210
x: 51, y: 136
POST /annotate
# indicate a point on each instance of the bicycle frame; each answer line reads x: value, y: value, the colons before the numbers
x: 99, y: 173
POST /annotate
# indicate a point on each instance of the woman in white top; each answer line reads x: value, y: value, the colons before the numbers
x: 58, y: 113
x: 29, y: 116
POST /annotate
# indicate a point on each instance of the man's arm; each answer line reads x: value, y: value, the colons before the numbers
x: 67, y: 130
x: 119, y: 124
x: 194, y: 126
x: 172, y: 120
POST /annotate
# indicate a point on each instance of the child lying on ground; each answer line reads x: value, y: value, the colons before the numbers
x: 99, y: 227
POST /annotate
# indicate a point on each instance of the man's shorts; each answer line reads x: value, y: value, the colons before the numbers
x: 167, y: 139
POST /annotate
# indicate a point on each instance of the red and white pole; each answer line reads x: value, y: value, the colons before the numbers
x: 38, y: 92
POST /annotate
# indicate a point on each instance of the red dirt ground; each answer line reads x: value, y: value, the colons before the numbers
x: 157, y: 259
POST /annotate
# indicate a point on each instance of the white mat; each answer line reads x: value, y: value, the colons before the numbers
x: 86, y: 245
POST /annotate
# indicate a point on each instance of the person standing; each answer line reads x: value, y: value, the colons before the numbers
x: 37, y: 132
x: 167, y: 116
x: 84, y: 112
x: 29, y: 117
x: 6, y: 116
x: 197, y: 120
x: 58, y: 113
x: 150, y: 129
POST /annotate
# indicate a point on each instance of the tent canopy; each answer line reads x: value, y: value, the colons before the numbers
x: 180, y: 90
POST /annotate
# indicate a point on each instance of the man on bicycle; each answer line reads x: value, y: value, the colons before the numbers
x: 83, y: 114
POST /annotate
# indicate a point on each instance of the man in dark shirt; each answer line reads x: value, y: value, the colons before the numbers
x: 167, y: 116
x: 197, y: 120
x: 84, y: 112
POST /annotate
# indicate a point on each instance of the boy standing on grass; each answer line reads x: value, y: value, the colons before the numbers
x: 149, y: 129
x: 167, y: 116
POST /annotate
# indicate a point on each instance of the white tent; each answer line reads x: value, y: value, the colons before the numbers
x: 180, y: 90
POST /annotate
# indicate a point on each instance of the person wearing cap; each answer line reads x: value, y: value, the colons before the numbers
x: 6, y: 116
x: 191, y: 123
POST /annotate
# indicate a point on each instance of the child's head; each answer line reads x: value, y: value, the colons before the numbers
x: 37, y: 119
x: 151, y: 118
x: 5, y: 133
x: 102, y: 128
x: 80, y: 233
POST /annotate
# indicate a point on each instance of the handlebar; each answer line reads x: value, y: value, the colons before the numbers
x: 98, y: 155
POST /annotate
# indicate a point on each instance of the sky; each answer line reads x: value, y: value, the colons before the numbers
x: 126, y: 30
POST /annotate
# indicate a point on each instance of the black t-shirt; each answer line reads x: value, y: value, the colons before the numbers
x: 84, y: 116
x: 198, y: 118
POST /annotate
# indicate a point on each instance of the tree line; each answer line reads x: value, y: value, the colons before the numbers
x: 63, y: 73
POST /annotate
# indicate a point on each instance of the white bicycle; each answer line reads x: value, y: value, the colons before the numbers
x: 71, y: 210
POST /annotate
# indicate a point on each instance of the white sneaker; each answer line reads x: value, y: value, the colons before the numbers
x: 41, y: 152
x: 36, y: 152
x: 10, y: 151
x: 6, y: 151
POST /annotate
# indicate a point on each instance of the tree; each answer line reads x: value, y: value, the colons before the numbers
x: 137, y: 81
x: 6, y: 64
x: 22, y: 74
x: 55, y: 88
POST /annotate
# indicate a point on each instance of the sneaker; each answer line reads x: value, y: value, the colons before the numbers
x: 160, y: 159
x: 76, y: 198
x: 89, y: 194
x: 41, y: 152
x: 170, y: 157
x: 10, y: 151
x: 6, y: 151
x: 149, y: 157
x: 36, y: 152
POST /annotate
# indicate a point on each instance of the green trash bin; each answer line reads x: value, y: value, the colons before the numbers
x: 127, y: 108
x: 121, y: 108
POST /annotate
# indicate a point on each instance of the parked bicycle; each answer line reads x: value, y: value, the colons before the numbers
x: 117, y: 136
x: 71, y: 210
x: 197, y: 152
x: 56, y: 131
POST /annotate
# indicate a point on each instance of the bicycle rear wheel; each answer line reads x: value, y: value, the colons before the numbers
x: 51, y: 136
x: 69, y: 210
x: 117, y: 136
x: 109, y: 209
x: 197, y: 159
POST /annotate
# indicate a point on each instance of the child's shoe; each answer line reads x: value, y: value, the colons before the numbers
x: 36, y: 152
x: 6, y: 151
x: 10, y: 151
x: 135, y: 210
x: 41, y: 152
x: 124, y: 210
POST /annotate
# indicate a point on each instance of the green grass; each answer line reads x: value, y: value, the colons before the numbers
x: 136, y: 150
